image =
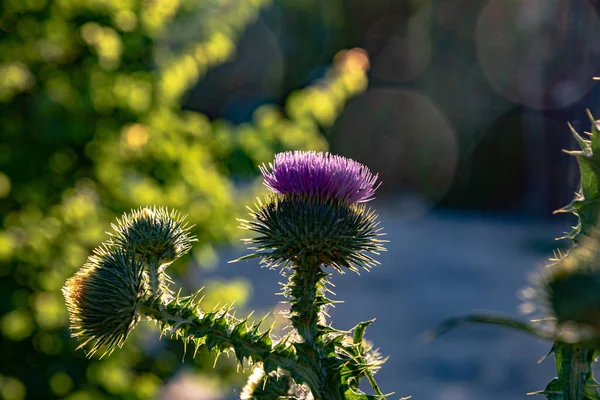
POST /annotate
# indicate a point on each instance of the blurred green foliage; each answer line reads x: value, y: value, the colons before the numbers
x: 91, y: 125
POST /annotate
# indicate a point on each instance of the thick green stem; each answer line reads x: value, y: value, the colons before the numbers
x: 575, y: 379
x: 219, y: 332
x: 306, y: 297
x: 158, y: 281
x: 574, y: 365
x: 306, y: 302
x: 154, y: 281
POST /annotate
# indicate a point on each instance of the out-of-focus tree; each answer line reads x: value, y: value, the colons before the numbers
x: 91, y: 124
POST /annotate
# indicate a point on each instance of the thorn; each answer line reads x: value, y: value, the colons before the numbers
x: 587, y: 110
x: 582, y: 143
x: 572, y: 152
x: 566, y: 209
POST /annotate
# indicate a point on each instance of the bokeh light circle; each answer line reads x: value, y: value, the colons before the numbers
x: 400, y: 46
x: 458, y: 16
x: 539, y: 53
x: 404, y: 137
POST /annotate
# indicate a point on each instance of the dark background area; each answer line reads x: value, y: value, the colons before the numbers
x: 467, y: 103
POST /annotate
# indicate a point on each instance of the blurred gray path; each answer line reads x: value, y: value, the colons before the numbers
x: 437, y: 266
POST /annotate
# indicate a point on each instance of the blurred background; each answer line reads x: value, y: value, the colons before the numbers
x: 461, y: 106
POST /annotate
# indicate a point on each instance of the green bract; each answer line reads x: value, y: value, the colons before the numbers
x: 316, y: 230
x: 102, y: 299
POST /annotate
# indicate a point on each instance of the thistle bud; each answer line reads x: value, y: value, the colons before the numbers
x: 102, y: 299
x: 568, y: 292
x: 153, y: 232
x: 315, y: 215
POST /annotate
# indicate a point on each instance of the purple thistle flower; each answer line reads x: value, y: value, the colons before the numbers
x: 320, y: 174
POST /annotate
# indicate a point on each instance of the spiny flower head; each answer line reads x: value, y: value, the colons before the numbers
x: 316, y: 214
x: 102, y: 298
x: 567, y: 293
x: 153, y: 231
x: 298, y: 229
x: 320, y: 174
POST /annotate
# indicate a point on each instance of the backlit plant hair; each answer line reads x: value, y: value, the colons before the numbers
x: 564, y: 297
x: 314, y: 219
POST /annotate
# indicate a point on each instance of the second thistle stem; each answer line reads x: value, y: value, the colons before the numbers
x: 575, y: 378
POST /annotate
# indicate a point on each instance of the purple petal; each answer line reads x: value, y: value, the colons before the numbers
x: 320, y: 174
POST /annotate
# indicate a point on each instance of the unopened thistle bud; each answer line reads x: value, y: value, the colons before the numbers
x: 154, y: 232
x: 102, y: 299
x: 567, y: 293
x: 316, y: 214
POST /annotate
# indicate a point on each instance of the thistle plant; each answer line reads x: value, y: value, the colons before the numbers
x: 564, y: 297
x: 313, y: 221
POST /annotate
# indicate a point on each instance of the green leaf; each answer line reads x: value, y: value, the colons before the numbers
x: 359, y: 330
x: 453, y: 323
